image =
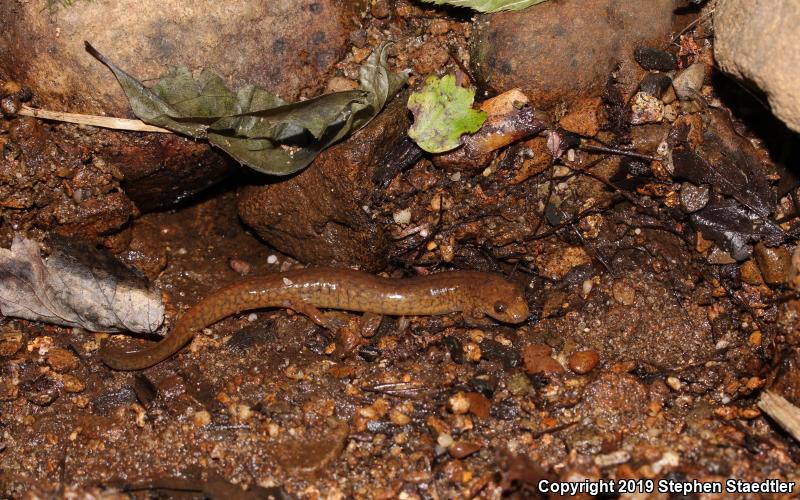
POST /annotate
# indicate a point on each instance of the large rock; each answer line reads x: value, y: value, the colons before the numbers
x: 317, y: 216
x: 559, y: 50
x: 288, y: 47
x: 758, y: 41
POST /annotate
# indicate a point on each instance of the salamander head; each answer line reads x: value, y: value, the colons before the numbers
x: 502, y: 300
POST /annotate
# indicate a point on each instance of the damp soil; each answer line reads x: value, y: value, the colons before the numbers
x: 643, y: 359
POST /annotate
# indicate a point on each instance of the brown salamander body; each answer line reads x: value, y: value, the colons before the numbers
x: 474, y: 293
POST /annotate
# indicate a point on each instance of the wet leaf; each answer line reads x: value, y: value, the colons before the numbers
x: 488, y: 5
x: 734, y: 227
x: 254, y: 126
x: 442, y: 114
x: 75, y: 287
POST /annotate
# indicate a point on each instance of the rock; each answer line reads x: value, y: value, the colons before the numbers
x: 479, y: 405
x: 583, y: 117
x: 160, y: 170
x: 688, y: 82
x: 554, y: 60
x: 300, y: 41
x: 615, y: 400
x: 693, y: 198
x: 774, y: 263
x: 757, y: 42
x: 583, y: 361
x: 317, y: 215
x: 10, y: 343
x: 750, y: 273
x: 655, y: 84
x: 61, y: 360
x: 313, y: 451
x: 655, y: 59
x: 462, y: 449
x: 646, y: 108
x: 537, y: 359
x: 623, y: 292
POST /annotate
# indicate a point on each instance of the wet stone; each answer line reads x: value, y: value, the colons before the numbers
x: 61, y: 360
x: 8, y: 389
x: 693, y: 198
x: 10, y: 343
x: 461, y: 449
x: 749, y: 273
x: 688, y: 82
x: 774, y: 263
x: 655, y: 59
x: 655, y: 84
x: 646, y: 108
x: 563, y: 50
x: 537, y: 359
x: 72, y: 383
x: 583, y: 361
x: 41, y: 391
x: 479, y: 405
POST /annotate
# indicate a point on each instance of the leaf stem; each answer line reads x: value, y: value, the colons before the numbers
x: 94, y: 120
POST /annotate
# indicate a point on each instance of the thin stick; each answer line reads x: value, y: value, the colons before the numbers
x: 782, y: 411
x: 94, y: 120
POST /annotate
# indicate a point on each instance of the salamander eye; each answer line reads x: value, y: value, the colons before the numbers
x: 499, y: 307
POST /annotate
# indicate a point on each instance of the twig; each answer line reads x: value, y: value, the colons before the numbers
x: 94, y: 120
x: 782, y: 411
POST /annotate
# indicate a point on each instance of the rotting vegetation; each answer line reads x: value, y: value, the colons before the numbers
x: 652, y: 226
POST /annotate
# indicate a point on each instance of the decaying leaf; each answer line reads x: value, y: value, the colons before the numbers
x: 75, y: 287
x: 734, y: 227
x: 442, y: 114
x: 254, y: 126
x: 488, y: 5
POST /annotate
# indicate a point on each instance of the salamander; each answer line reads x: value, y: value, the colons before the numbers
x: 473, y: 293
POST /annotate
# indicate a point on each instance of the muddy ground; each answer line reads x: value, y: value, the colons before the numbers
x: 658, y: 313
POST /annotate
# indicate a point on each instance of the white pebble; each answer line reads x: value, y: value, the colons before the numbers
x: 272, y: 259
x: 402, y: 216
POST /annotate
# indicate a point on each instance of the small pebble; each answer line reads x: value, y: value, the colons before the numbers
x: 536, y: 359
x: 693, y: 198
x: 472, y: 352
x: 774, y: 263
x: 674, y: 383
x: 8, y: 390
x: 272, y: 259
x: 72, y: 383
x: 459, y: 403
x: 583, y: 361
x: 61, y: 360
x: 402, y: 216
x: 445, y: 440
x: 479, y: 405
x: 240, y: 266
x: 518, y: 384
x: 10, y: 106
x: 750, y: 274
x: 463, y: 449
x: 688, y: 82
x: 623, y: 293
x: 10, y: 343
x: 399, y: 418
x: 646, y: 108
x: 655, y: 59
x: 655, y: 84
x: 201, y: 418
x: 610, y: 459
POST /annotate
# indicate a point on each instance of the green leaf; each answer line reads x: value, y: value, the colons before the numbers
x: 254, y: 126
x: 488, y: 5
x: 442, y: 114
